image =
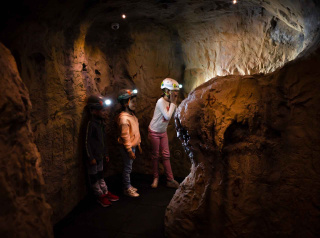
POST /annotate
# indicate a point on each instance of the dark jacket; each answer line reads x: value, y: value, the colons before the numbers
x: 96, y: 139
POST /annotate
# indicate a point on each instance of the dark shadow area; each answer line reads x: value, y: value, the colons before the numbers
x: 128, y: 217
x: 236, y: 133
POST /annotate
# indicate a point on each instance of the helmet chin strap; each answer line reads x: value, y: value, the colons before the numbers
x: 168, y: 95
x: 127, y: 105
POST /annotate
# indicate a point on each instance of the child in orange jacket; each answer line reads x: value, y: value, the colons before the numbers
x: 129, y: 137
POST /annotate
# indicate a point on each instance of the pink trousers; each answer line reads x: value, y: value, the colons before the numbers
x: 160, y: 144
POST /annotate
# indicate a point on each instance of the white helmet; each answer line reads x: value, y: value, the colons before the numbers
x: 170, y: 84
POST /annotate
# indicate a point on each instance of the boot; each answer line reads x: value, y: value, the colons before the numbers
x: 172, y: 184
x: 155, y: 183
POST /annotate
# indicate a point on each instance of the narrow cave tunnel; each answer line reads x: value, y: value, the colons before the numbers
x: 245, y: 138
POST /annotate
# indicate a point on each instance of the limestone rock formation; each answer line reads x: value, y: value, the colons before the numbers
x: 254, y: 146
x: 23, y: 210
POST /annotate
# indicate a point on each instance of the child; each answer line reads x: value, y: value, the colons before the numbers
x: 157, y: 131
x: 129, y: 137
x: 97, y: 150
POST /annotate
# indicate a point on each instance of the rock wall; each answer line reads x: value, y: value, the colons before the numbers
x: 24, y: 211
x: 240, y: 44
x: 254, y: 146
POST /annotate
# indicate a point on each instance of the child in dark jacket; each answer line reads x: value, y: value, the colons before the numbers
x: 97, y: 150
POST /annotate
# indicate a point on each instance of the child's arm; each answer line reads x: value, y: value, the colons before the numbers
x: 139, y: 146
x: 106, y: 153
x: 140, y: 149
x: 162, y: 107
x: 88, y: 144
x: 125, y: 137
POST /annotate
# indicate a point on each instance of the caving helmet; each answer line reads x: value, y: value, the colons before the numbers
x: 125, y: 94
x: 170, y: 84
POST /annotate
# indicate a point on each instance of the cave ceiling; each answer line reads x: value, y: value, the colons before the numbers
x: 278, y: 31
x: 296, y: 14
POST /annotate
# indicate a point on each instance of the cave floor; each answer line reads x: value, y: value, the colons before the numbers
x: 129, y: 217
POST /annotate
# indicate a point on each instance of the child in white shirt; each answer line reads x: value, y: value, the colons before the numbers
x: 163, y: 112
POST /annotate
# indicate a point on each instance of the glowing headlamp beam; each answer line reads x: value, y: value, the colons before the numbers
x: 135, y: 91
x: 180, y: 85
x: 107, y: 102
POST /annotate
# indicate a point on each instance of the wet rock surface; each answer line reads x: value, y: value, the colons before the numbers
x: 254, y: 146
x: 23, y: 208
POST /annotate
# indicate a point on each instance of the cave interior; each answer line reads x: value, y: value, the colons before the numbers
x: 245, y: 136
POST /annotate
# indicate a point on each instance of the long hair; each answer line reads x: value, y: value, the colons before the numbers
x: 124, y: 104
x: 163, y: 92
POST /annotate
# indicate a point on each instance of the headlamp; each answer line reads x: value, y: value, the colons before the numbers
x: 107, y: 102
x: 135, y: 91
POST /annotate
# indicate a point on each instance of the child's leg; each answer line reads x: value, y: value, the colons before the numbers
x: 164, y: 148
x: 95, y: 185
x: 102, y: 183
x: 94, y: 178
x: 127, y: 167
x: 155, y: 142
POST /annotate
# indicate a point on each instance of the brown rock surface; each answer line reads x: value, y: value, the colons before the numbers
x: 254, y: 146
x: 23, y: 210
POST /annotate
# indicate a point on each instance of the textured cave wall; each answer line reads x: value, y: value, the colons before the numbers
x: 24, y: 211
x: 66, y: 50
x: 241, y: 44
x: 254, y: 146
x: 218, y: 38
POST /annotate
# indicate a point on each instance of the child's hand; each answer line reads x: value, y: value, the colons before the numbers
x: 140, y: 149
x: 173, y: 97
x: 93, y: 162
x: 132, y: 155
x: 107, y: 159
